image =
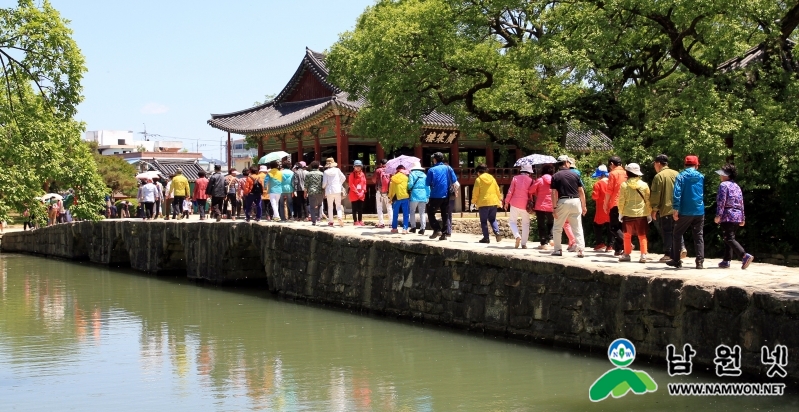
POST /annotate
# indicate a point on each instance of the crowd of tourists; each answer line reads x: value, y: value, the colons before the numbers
x: 553, y: 193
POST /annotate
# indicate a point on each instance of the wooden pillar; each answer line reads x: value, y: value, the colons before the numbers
x: 417, y: 151
x: 260, y: 147
x: 283, y: 143
x: 519, y: 154
x: 317, y: 147
x: 381, y: 154
x: 454, y: 154
x: 299, y: 149
x: 229, y: 152
x: 489, y: 155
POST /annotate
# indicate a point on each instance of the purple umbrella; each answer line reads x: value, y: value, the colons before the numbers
x: 407, y: 161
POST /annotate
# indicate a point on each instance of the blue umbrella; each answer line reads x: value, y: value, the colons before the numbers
x: 273, y: 157
x: 535, y: 159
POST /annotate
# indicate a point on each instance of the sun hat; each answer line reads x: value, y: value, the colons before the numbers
x: 634, y: 168
x: 527, y: 169
x: 417, y: 166
x: 302, y: 164
x: 263, y: 168
x: 691, y: 160
x: 357, y: 163
x: 572, y: 161
x: 722, y: 173
x: 330, y: 162
x: 600, y: 171
x: 564, y: 159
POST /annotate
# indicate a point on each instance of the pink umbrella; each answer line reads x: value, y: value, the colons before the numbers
x: 407, y: 161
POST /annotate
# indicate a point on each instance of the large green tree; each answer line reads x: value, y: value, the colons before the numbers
x: 118, y: 175
x: 651, y: 75
x: 40, y: 141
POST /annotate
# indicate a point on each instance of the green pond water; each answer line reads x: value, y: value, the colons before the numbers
x: 86, y: 338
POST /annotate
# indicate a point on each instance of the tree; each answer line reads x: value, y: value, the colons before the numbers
x: 40, y: 142
x: 118, y: 175
x: 654, y: 76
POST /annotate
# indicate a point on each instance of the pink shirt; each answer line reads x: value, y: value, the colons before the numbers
x: 542, y: 191
x: 518, y: 192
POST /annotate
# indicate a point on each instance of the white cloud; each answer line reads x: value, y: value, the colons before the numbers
x: 154, y: 108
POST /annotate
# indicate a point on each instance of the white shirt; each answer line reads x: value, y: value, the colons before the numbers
x: 333, y: 180
x: 148, y: 193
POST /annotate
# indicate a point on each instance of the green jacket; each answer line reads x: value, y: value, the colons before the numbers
x: 662, y: 190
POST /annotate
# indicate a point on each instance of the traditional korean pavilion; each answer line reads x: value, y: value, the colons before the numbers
x: 311, y: 119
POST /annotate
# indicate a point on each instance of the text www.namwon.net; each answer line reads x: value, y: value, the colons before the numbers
x: 726, y: 389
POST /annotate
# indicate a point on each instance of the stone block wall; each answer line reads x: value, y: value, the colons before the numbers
x: 519, y: 297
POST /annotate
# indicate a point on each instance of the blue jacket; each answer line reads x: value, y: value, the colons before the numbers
x: 417, y: 186
x: 689, y: 193
x: 439, y: 178
x: 288, y: 180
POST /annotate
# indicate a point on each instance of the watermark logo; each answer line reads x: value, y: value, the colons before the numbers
x: 621, y: 379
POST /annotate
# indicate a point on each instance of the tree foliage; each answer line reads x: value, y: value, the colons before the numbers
x: 118, y: 175
x: 651, y: 75
x: 40, y: 142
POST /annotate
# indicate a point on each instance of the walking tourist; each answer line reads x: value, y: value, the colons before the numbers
x: 333, y: 182
x: 274, y: 184
x: 147, y: 197
x: 187, y: 206
x: 300, y: 212
x: 688, y: 206
x: 568, y: 196
x: 167, y: 196
x: 266, y: 204
x: 400, y: 199
x: 602, y: 236
x: 357, y: 183
x: 730, y: 215
x: 231, y: 193
x: 662, y: 193
x: 159, y: 202
x: 179, y: 191
x: 440, y: 178
x: 616, y: 177
x: 28, y: 220
x: 634, y: 211
x: 253, y: 191
x: 216, y: 191
x: 241, y: 195
x: 314, y: 191
x: 486, y: 196
x: 381, y: 179
x: 541, y: 191
x: 200, y: 186
x: 286, y: 208
x: 420, y: 194
x: 516, y: 202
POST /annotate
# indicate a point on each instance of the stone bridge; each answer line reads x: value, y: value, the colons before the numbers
x: 522, y: 294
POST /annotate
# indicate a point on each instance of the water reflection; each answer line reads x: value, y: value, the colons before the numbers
x: 131, y: 342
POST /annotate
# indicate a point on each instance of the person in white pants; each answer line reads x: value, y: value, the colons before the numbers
x: 516, y: 199
x: 333, y: 181
x: 381, y: 193
x: 569, y: 197
x: 420, y: 195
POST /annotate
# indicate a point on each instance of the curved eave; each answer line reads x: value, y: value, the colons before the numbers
x: 316, y: 115
x: 317, y: 68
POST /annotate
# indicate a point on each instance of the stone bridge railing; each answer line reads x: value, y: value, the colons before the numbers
x: 520, y: 297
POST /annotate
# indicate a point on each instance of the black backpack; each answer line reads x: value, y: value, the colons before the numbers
x: 257, y: 187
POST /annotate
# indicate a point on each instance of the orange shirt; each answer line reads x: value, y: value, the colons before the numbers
x: 616, y: 177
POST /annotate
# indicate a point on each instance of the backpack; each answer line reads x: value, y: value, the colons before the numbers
x: 257, y: 187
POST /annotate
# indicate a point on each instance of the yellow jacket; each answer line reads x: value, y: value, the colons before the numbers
x: 180, y: 186
x: 486, y: 191
x: 398, y: 186
x: 632, y: 204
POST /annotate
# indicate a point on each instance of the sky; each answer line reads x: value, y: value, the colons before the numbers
x: 169, y: 64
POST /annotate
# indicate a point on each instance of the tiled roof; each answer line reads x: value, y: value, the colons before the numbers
x: 169, y: 167
x: 276, y: 114
x: 753, y: 55
x: 583, y: 140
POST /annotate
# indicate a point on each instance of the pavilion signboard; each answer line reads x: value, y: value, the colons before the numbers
x: 439, y: 136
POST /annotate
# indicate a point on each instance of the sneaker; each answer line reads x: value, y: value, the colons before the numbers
x: 674, y: 263
x: 618, y: 252
x: 543, y: 247
x: 484, y: 240
x: 355, y: 223
x: 683, y: 254
x: 435, y: 234
x: 643, y: 259
x: 624, y: 258
x: 443, y: 237
x: 580, y: 253
x: 609, y: 249
x: 394, y: 231
x: 725, y: 264
x: 380, y: 226
x: 746, y: 260
x: 341, y: 223
x: 330, y: 223
x: 556, y: 253
x: 700, y: 265
x: 412, y: 230
x: 404, y: 232
x: 498, y: 236
x: 524, y: 246
x: 448, y: 234
x: 421, y: 232
x: 665, y: 259
x: 600, y: 247
x: 218, y: 218
x: 518, y: 242
x: 572, y: 248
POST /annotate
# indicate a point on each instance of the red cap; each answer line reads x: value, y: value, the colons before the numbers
x: 691, y: 160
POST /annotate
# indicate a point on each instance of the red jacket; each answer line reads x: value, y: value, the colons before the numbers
x: 600, y: 189
x: 199, y: 189
x: 357, y: 182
